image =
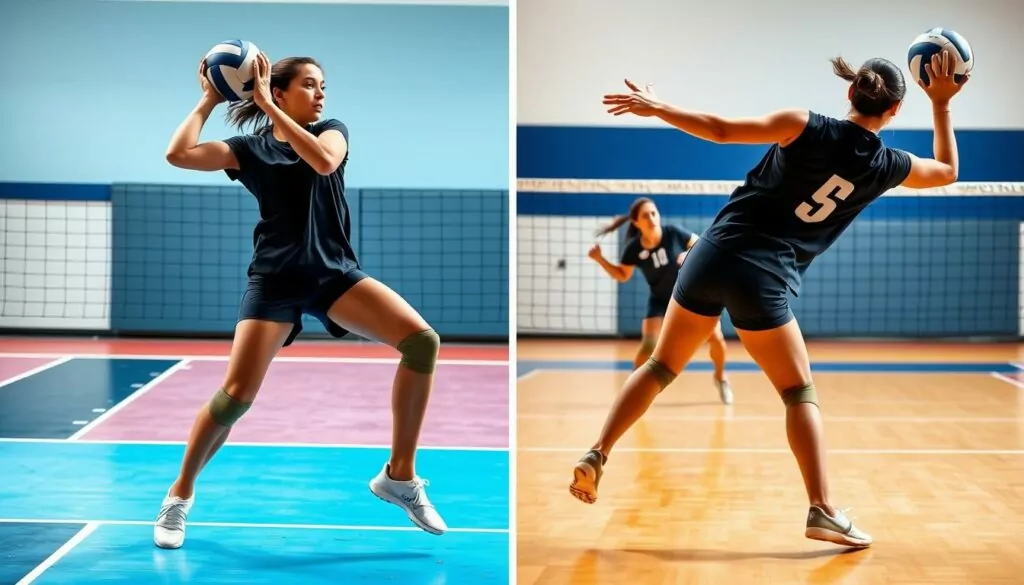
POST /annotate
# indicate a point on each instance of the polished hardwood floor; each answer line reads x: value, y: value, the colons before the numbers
x: 930, y: 461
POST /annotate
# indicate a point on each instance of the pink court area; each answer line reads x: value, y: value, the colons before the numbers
x: 12, y: 367
x: 25, y: 346
x: 322, y: 403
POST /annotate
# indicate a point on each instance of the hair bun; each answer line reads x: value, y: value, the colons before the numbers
x: 870, y: 83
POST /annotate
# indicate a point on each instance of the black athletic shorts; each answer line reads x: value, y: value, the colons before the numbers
x: 656, y: 307
x: 285, y: 300
x: 712, y: 279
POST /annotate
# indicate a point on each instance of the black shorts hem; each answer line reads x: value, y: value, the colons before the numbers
x: 281, y: 302
x: 712, y: 280
x: 765, y: 323
x: 656, y: 308
x: 704, y: 309
x: 329, y: 293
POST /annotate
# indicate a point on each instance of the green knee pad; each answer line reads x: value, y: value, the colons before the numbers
x: 419, y: 351
x: 663, y: 374
x: 800, y: 394
x: 226, y: 410
x: 647, y: 345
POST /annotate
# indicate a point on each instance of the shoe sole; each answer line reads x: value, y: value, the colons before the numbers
x: 725, y: 397
x: 583, y: 486
x: 386, y: 498
x: 826, y: 535
x: 169, y: 546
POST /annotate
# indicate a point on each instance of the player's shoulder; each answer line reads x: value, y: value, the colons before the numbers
x: 896, y: 154
x: 678, y: 230
x: 318, y: 128
x: 818, y: 128
x: 632, y: 244
x: 823, y: 126
x: 895, y: 164
x: 253, y: 143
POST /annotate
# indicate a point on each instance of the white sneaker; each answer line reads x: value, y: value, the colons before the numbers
x: 169, y: 531
x: 411, y: 497
x: 836, y: 529
x: 724, y: 391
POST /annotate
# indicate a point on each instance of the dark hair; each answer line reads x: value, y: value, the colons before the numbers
x: 634, y: 210
x: 877, y: 85
x: 281, y: 75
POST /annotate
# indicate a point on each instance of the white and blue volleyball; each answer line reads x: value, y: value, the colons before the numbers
x: 229, y: 69
x: 934, y: 41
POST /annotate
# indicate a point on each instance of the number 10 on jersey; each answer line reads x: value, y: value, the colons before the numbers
x: 827, y: 196
x: 660, y: 258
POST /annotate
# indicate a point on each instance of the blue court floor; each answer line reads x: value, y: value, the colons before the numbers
x: 263, y: 514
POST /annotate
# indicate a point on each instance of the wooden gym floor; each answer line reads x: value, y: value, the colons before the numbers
x: 926, y: 447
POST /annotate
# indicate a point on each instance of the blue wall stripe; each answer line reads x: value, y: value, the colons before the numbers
x: 54, y: 191
x: 917, y: 207
x: 553, y: 152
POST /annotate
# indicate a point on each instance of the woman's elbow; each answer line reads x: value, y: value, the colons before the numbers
x: 952, y: 175
x: 325, y: 166
x: 175, y: 158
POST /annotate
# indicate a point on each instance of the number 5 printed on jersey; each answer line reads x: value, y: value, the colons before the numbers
x: 836, y: 188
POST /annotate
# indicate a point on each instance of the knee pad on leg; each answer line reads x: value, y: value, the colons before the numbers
x: 805, y: 393
x: 226, y: 410
x: 661, y: 373
x: 419, y: 351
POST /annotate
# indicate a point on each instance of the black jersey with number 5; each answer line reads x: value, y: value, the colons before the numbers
x: 800, y: 198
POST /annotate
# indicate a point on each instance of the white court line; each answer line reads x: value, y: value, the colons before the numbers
x: 35, y: 370
x: 1008, y: 380
x: 230, y: 444
x: 96, y: 523
x: 224, y: 358
x: 134, y: 396
x: 757, y: 418
x: 527, y: 375
x: 58, y: 554
x: 1018, y: 366
x: 581, y: 450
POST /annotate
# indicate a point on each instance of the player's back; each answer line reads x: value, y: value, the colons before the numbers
x: 801, y: 197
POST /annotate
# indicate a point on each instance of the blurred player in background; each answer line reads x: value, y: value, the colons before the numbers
x: 659, y: 251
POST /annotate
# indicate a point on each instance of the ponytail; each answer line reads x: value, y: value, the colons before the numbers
x: 616, y: 223
x: 877, y: 85
x: 245, y: 112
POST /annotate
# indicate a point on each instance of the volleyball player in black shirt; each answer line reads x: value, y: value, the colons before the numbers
x: 818, y: 174
x: 658, y: 249
x: 302, y: 263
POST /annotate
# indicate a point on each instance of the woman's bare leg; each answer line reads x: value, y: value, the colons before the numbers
x: 682, y: 334
x: 255, y: 345
x: 373, y: 310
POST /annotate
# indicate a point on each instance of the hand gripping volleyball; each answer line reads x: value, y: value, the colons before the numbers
x: 229, y: 69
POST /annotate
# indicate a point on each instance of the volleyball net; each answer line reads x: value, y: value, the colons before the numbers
x: 172, y: 259
x: 941, y: 263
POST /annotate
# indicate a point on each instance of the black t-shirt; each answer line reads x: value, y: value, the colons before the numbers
x: 304, y: 232
x: 660, y: 264
x: 799, y: 199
